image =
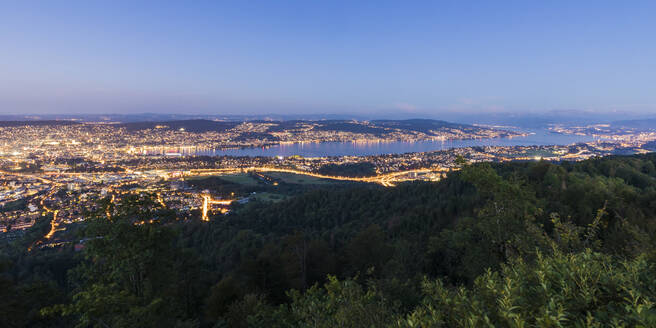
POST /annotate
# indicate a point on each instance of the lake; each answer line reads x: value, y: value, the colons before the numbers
x: 538, y: 138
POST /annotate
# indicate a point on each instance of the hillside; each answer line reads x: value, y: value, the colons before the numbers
x: 377, y: 128
x: 197, y: 126
x: 529, y: 243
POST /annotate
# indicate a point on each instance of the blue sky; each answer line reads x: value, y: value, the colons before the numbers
x: 248, y: 57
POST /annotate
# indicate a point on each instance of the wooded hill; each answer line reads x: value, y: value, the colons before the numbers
x: 530, y: 244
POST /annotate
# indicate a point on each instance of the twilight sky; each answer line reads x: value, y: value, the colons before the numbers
x: 364, y: 57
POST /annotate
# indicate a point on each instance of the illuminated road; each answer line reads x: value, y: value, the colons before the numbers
x: 207, y: 201
x: 54, y: 223
x: 387, y: 180
x: 44, y: 180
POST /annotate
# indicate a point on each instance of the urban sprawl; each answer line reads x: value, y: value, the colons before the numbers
x: 63, y: 170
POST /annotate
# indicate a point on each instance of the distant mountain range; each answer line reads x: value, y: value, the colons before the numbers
x: 155, y: 117
x: 377, y: 127
x: 517, y: 119
x: 187, y: 125
x: 36, y: 123
x: 267, y: 129
x: 646, y: 124
x: 542, y: 120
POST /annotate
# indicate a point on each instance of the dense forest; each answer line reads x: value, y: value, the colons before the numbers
x: 522, y: 244
x: 357, y: 170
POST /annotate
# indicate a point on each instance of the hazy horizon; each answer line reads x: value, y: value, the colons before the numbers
x: 430, y: 60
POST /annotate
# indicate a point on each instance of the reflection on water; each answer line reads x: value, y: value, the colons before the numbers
x: 538, y: 138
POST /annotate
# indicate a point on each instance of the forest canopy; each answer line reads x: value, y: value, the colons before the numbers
x: 522, y: 244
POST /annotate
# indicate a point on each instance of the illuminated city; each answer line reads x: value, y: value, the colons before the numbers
x: 320, y: 164
x: 63, y: 168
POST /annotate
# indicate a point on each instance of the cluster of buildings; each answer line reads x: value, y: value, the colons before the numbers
x: 59, y: 172
x: 60, y: 143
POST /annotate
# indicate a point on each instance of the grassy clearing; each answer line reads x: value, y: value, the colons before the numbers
x: 298, y: 178
x: 290, y: 178
x: 269, y: 197
x: 536, y: 153
x: 241, y: 178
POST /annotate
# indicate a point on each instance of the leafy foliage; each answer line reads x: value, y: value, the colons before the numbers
x: 532, y: 244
